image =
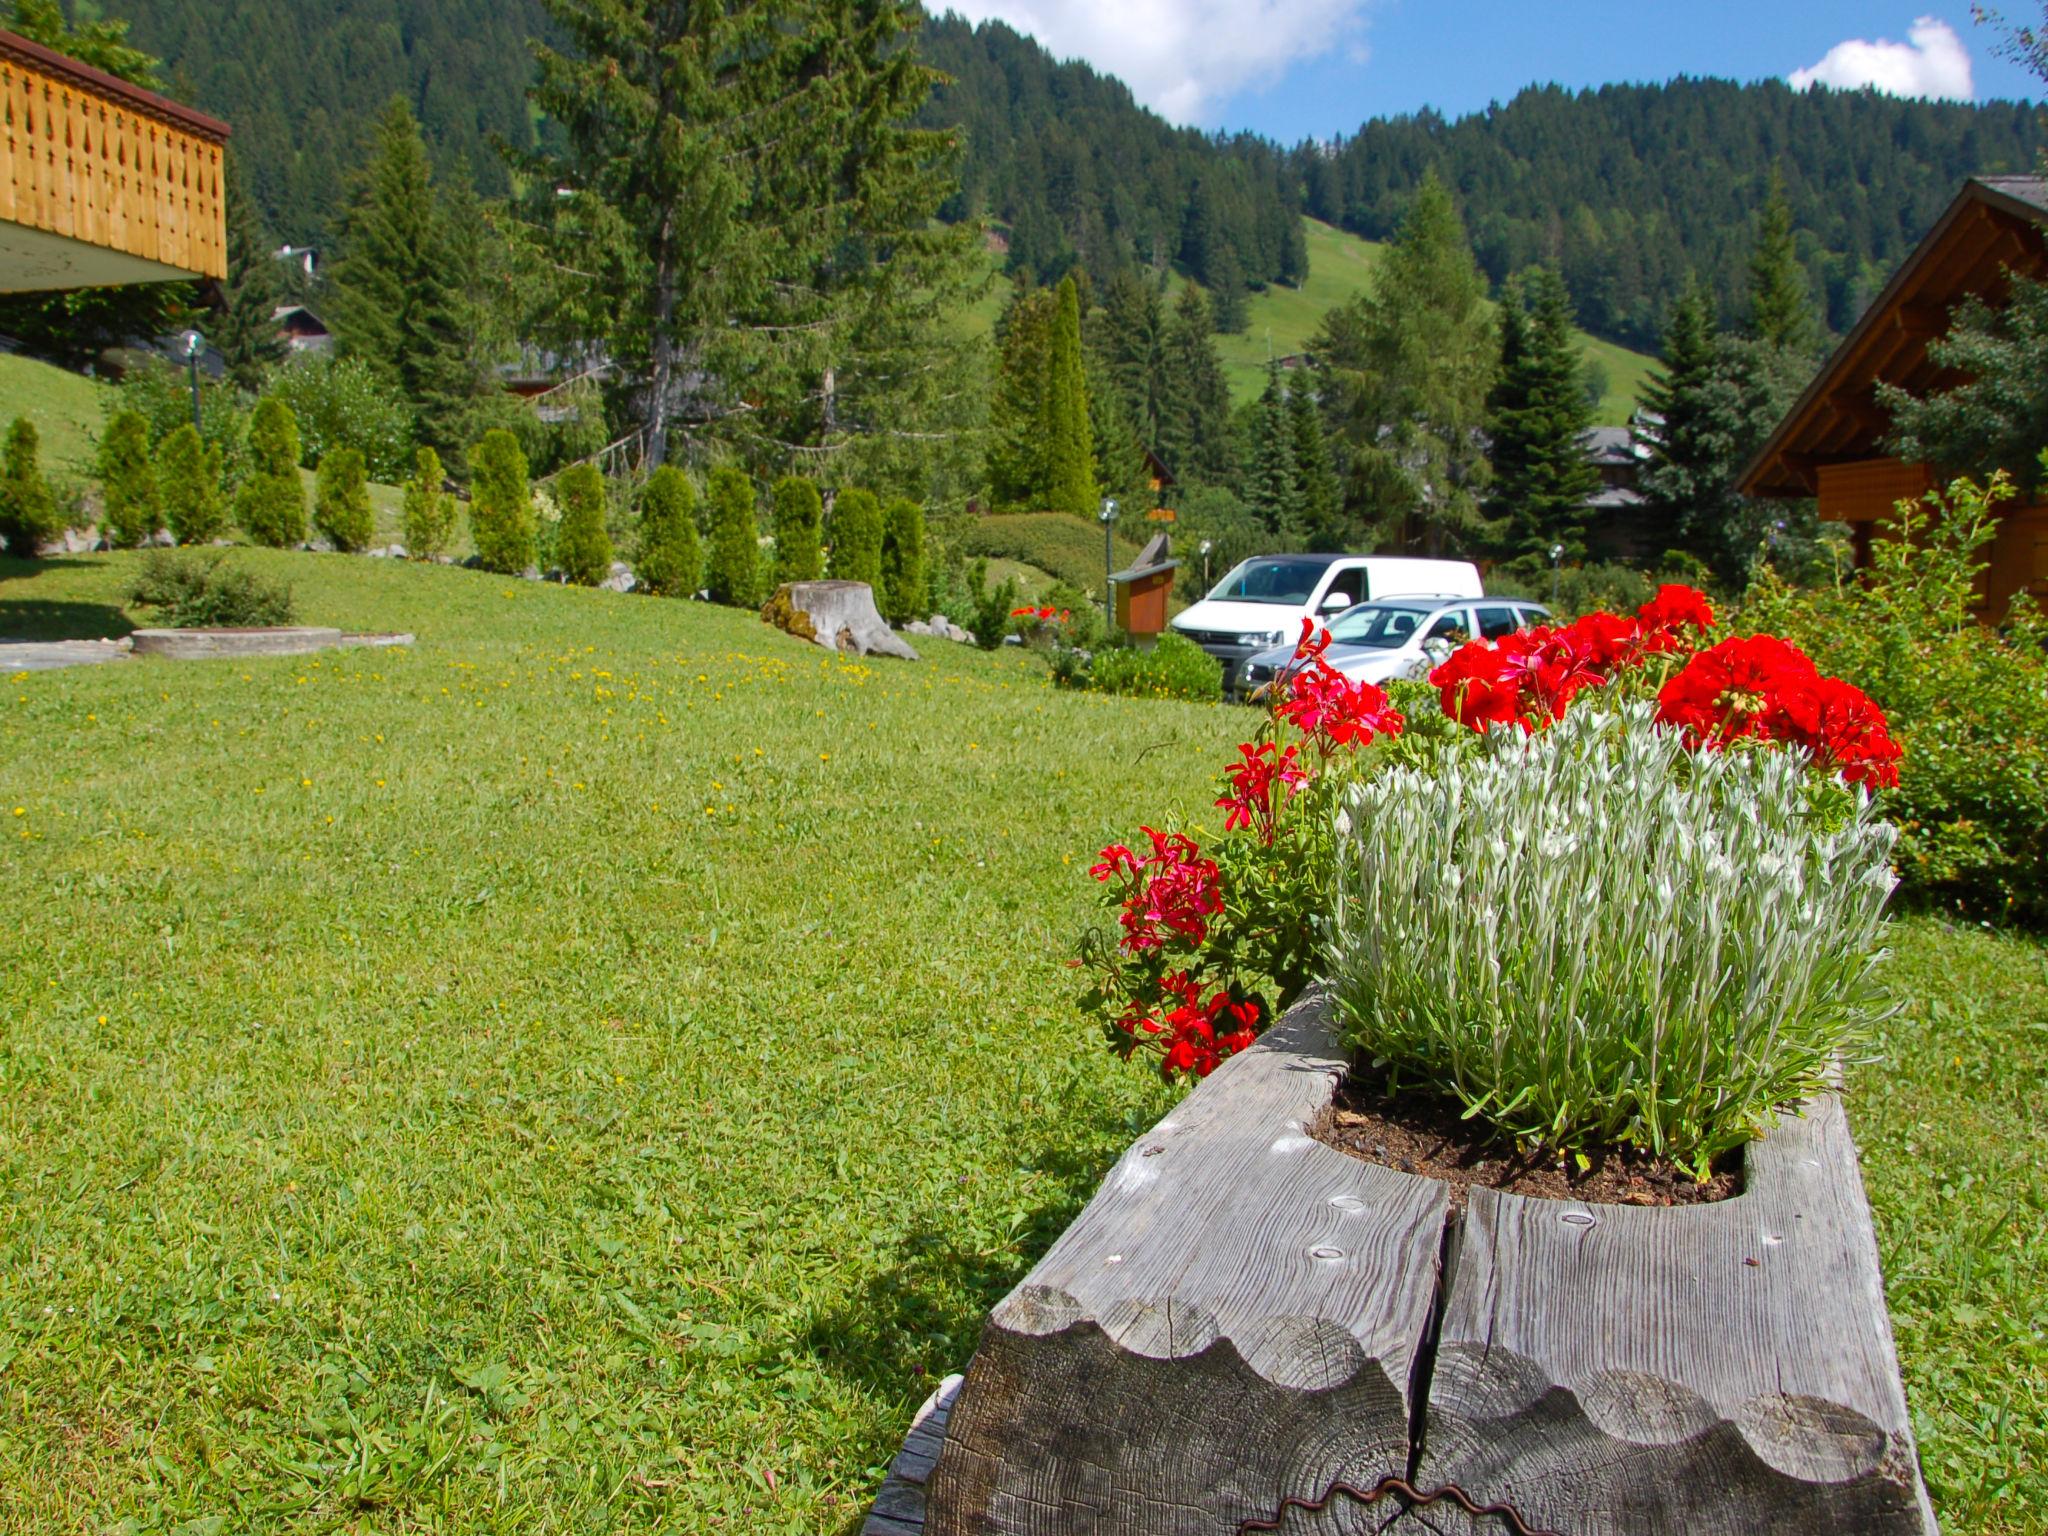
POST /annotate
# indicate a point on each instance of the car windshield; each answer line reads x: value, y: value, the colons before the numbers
x: 1271, y: 579
x: 1381, y: 628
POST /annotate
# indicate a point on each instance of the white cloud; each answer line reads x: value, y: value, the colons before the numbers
x: 1932, y: 62
x: 1182, y: 57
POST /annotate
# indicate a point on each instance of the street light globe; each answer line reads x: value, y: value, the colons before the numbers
x: 1108, y: 509
x: 191, y: 341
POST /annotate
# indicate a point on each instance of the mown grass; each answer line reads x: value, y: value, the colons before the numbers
x: 593, y: 1069
x: 1065, y: 547
x: 67, y: 409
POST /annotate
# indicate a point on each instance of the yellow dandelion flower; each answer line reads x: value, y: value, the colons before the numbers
x: 21, y: 810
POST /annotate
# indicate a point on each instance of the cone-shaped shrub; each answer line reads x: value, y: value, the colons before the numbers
x: 188, y: 481
x: 28, y: 512
x: 671, y: 559
x: 902, y: 594
x: 799, y: 514
x: 341, y: 501
x: 857, y: 538
x: 733, y: 567
x: 271, y: 506
x: 130, y: 511
x: 429, y: 510
x: 500, y: 504
x: 583, y: 548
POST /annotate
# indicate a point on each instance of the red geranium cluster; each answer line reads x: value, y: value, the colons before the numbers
x: 1192, y: 1036
x: 1326, y: 706
x: 1252, y: 777
x: 1173, y: 891
x: 1043, y: 615
x: 1762, y: 688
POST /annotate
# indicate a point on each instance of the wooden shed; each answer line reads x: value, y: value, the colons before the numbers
x: 1831, y: 445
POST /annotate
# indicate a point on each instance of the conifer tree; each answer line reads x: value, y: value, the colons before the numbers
x: 583, y: 548
x: 1194, y: 408
x: 1687, y: 451
x: 1120, y: 468
x: 28, y: 512
x: 733, y: 562
x: 341, y: 501
x: 1016, y: 452
x: 271, y: 505
x: 799, y: 520
x: 501, y: 524
x: 857, y: 537
x: 131, y: 511
x: 1320, y: 496
x: 1130, y: 337
x: 671, y: 558
x: 188, y: 482
x: 1227, y: 308
x: 1272, y: 487
x: 245, y: 325
x: 905, y: 586
x: 1537, y: 419
x: 429, y: 510
x: 1780, y: 297
x: 1063, y: 423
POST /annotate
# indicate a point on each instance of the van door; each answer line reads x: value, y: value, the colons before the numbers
x: 1350, y: 577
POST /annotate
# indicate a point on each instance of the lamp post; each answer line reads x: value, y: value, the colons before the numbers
x: 1207, y: 545
x: 1108, y: 518
x: 192, y: 342
x: 1556, y: 556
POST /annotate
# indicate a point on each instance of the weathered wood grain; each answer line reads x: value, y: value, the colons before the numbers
x: 1234, y: 1317
x: 899, y: 1507
x: 1710, y: 1369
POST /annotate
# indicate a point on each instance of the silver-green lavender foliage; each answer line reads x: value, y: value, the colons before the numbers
x: 1596, y: 935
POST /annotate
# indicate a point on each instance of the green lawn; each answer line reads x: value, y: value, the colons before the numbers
x: 66, y: 408
x: 593, y: 1069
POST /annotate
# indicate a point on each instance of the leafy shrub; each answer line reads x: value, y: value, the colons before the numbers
x: 1594, y: 934
x: 1066, y: 547
x: 501, y: 522
x: 341, y: 502
x: 1213, y: 515
x: 732, y: 566
x: 188, y: 481
x: 1967, y: 702
x: 1084, y: 625
x: 341, y: 402
x: 271, y: 505
x: 161, y: 394
x: 799, y: 516
x: 195, y: 591
x: 583, y: 550
x: 429, y: 511
x: 1175, y: 668
x: 857, y: 538
x: 130, y: 510
x: 671, y: 560
x: 28, y: 511
x: 905, y: 588
x: 990, y: 618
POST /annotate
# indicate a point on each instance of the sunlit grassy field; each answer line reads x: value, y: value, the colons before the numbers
x: 592, y: 1070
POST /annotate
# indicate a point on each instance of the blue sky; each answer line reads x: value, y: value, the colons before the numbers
x: 1300, y: 68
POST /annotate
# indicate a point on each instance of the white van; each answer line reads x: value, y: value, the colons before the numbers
x: 1262, y: 601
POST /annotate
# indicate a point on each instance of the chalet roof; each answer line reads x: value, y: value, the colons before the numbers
x: 1997, y: 225
x: 1609, y: 445
x: 284, y: 312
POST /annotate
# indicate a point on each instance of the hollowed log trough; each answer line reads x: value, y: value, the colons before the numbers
x: 1248, y: 1330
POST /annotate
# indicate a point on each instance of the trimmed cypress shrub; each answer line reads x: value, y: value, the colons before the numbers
x: 188, y: 481
x: 28, y: 512
x: 904, y: 587
x: 799, y: 514
x: 271, y: 506
x: 671, y: 559
x: 130, y: 511
x: 733, y: 567
x: 341, y: 501
x: 583, y: 548
x: 429, y: 510
x: 501, y: 504
x: 857, y: 538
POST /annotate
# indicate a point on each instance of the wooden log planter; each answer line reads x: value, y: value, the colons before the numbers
x: 1247, y: 1330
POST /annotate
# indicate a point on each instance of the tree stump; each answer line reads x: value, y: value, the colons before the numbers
x: 839, y: 615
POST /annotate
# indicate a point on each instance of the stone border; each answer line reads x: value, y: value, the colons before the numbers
x: 288, y: 640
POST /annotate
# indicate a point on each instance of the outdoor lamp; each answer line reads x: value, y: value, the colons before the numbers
x: 1108, y: 518
x: 192, y: 344
x: 1556, y: 555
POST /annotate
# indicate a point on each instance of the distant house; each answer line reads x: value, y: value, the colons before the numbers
x: 304, y: 257
x: 1619, y: 524
x: 304, y: 332
x: 1831, y: 444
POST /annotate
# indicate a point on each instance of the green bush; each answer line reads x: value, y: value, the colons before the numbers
x: 1593, y: 935
x: 1065, y: 547
x: 28, y: 512
x: 671, y: 560
x: 583, y: 550
x: 905, y: 588
x: 161, y: 394
x: 857, y: 537
x: 1968, y: 703
x: 1175, y: 668
x: 341, y: 502
x: 429, y: 510
x: 501, y: 522
x: 201, y: 592
x: 1233, y: 532
x: 732, y: 568
x: 989, y: 616
x: 271, y: 505
x: 799, y: 515
x: 188, y: 481
x: 130, y: 510
x: 343, y: 403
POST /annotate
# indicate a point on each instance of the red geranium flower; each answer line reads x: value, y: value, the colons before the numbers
x: 1253, y: 776
x: 1734, y: 689
x: 1173, y: 892
x: 1605, y: 640
x: 1666, y: 617
x: 1520, y: 679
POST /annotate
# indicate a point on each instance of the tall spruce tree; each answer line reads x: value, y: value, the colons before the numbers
x: 1194, y: 407
x: 1063, y: 422
x: 1017, y: 448
x: 1780, y: 296
x: 1317, y: 490
x: 1538, y: 415
x: 1686, y: 447
x: 245, y: 324
x: 1129, y: 335
x: 1272, y: 485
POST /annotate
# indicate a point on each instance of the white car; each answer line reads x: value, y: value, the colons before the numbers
x: 1380, y: 641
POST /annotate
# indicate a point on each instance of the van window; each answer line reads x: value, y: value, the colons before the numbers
x: 1272, y: 579
x: 1496, y: 622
